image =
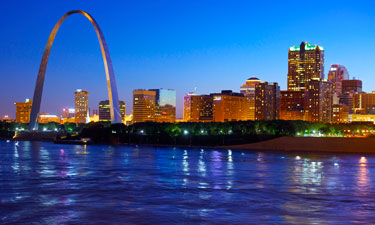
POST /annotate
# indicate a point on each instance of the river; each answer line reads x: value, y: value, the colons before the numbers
x: 46, y: 183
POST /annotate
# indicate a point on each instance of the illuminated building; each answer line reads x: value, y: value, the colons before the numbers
x: 105, y: 110
x: 198, y: 108
x: 143, y: 105
x: 68, y: 113
x: 23, y: 110
x: 81, y: 106
x: 305, y: 62
x: 267, y: 101
x: 165, y: 105
x: 292, y: 105
x: 337, y: 73
x: 229, y: 106
x: 351, y: 86
x: 46, y: 118
x: 362, y: 102
x: 248, y: 90
x: 340, y: 113
x: 361, y: 118
x: 319, y: 101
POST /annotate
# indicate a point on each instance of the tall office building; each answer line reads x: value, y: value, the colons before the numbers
x: 165, y: 105
x: 229, y: 106
x: 267, y: 101
x: 143, y: 105
x: 305, y: 62
x: 105, y: 110
x: 248, y: 90
x: 292, y: 105
x: 198, y: 108
x: 81, y: 106
x: 23, y: 110
x: 336, y: 74
x: 319, y: 101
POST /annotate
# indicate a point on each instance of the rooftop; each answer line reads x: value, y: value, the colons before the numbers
x: 308, y: 47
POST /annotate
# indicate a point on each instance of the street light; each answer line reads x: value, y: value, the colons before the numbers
x: 186, y: 132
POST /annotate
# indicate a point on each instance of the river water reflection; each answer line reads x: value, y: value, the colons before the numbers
x: 58, y: 184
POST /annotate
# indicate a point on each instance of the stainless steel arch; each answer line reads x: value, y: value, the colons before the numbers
x: 111, y: 81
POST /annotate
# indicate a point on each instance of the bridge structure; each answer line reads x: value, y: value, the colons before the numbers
x: 110, y: 76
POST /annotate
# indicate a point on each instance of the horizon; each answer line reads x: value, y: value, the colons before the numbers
x: 172, y: 48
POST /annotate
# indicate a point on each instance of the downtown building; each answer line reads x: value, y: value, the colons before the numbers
x: 198, y: 108
x: 248, y: 90
x: 23, y: 110
x: 165, y: 105
x: 267, y: 101
x: 81, y: 103
x: 143, y: 106
x: 336, y: 75
x: 105, y: 110
x: 229, y: 106
x: 309, y: 97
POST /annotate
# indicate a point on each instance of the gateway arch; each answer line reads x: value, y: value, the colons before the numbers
x: 111, y: 81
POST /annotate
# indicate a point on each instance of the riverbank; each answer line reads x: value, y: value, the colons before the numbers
x: 312, y: 144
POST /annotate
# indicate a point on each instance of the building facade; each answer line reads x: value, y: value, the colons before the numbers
x: 81, y: 106
x: 105, y: 110
x: 305, y: 62
x: 267, y: 101
x: 198, y: 108
x: 165, y: 105
x: 229, y: 106
x: 292, y: 105
x: 336, y: 74
x: 248, y: 90
x: 319, y: 101
x: 144, y: 105
x: 23, y: 110
x: 351, y: 86
x: 363, y: 102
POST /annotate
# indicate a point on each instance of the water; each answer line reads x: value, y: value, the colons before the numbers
x: 44, y: 183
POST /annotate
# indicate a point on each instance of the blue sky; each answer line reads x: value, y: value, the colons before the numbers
x: 182, y: 45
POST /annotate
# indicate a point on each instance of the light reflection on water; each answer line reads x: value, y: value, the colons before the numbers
x: 57, y: 184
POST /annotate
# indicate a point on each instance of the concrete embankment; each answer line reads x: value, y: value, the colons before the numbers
x: 313, y: 144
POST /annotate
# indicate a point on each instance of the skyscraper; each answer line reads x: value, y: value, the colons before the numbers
x: 165, y: 105
x: 267, y: 101
x: 337, y: 73
x: 351, y: 86
x: 319, y: 101
x: 23, y: 110
x: 81, y: 106
x: 292, y: 105
x: 105, y: 112
x: 248, y: 90
x: 198, y: 108
x: 143, y: 105
x: 305, y: 62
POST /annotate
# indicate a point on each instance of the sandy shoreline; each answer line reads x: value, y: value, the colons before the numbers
x: 312, y: 144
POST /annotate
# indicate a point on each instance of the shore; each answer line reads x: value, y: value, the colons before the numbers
x: 312, y: 144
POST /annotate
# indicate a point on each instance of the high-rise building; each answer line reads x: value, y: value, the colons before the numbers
x: 337, y: 73
x: 292, y: 105
x: 351, y: 86
x: 305, y: 62
x: 198, y: 108
x: 105, y: 110
x: 165, y: 105
x: 81, y: 106
x: 229, y: 106
x: 23, y: 110
x: 267, y: 101
x: 319, y: 101
x: 143, y: 105
x: 248, y: 90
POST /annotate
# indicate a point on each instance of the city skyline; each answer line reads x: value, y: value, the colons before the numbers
x: 231, y: 57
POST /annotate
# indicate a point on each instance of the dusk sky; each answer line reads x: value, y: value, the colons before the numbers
x: 181, y: 45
